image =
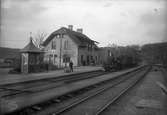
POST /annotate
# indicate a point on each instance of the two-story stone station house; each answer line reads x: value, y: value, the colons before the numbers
x: 65, y: 45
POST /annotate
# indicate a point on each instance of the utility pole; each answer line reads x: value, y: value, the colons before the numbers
x: 61, y: 36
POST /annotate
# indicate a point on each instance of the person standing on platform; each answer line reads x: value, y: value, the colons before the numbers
x: 71, y: 66
x: 47, y: 67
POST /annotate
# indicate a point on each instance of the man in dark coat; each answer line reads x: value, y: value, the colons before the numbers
x: 71, y: 66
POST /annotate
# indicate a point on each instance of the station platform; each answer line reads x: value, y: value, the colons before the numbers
x: 33, y: 98
x: 14, y: 78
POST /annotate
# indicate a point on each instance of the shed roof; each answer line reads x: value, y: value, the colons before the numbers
x: 77, y: 37
x: 30, y: 47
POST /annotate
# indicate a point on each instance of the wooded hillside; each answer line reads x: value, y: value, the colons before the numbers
x: 155, y: 53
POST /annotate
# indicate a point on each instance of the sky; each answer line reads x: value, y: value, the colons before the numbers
x: 121, y: 22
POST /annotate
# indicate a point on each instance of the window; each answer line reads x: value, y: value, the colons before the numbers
x: 88, y: 47
x: 54, y: 44
x: 55, y: 56
x: 62, y: 35
x: 91, y: 46
x: 66, y: 44
x: 37, y: 59
x: 66, y: 59
x: 58, y: 36
x: 91, y: 57
x: 50, y: 58
x: 32, y: 59
x: 109, y: 53
x: 96, y: 58
x: 82, y: 58
x: 87, y: 59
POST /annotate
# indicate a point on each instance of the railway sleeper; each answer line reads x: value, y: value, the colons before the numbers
x: 36, y: 108
x: 56, y: 100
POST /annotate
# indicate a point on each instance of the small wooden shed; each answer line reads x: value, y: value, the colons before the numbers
x: 30, y: 58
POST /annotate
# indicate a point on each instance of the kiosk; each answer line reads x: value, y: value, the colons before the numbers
x: 31, y: 58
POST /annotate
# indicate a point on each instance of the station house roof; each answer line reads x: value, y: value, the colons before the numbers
x: 77, y: 37
x: 30, y: 47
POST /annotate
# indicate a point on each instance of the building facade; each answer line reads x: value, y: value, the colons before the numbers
x: 65, y: 45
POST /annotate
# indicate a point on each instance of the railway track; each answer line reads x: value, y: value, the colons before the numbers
x: 102, y: 110
x: 48, y: 99
x: 95, y: 101
x: 27, y: 87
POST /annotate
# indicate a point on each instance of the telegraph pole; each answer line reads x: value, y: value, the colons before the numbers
x: 61, y: 36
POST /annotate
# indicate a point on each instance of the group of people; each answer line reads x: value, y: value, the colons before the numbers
x: 70, y: 66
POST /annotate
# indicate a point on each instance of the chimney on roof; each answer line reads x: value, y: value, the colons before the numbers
x: 80, y: 30
x: 70, y: 27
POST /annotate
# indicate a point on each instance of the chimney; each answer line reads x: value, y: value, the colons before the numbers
x: 80, y: 30
x: 70, y: 27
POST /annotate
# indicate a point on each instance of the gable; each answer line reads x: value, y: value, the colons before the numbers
x: 66, y: 39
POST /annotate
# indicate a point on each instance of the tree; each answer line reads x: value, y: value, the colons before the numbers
x: 39, y: 38
x: 155, y: 53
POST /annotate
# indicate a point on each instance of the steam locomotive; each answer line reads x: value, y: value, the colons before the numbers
x: 119, y: 62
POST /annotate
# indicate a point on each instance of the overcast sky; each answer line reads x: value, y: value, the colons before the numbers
x: 122, y: 22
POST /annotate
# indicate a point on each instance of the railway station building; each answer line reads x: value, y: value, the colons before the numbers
x: 65, y: 45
